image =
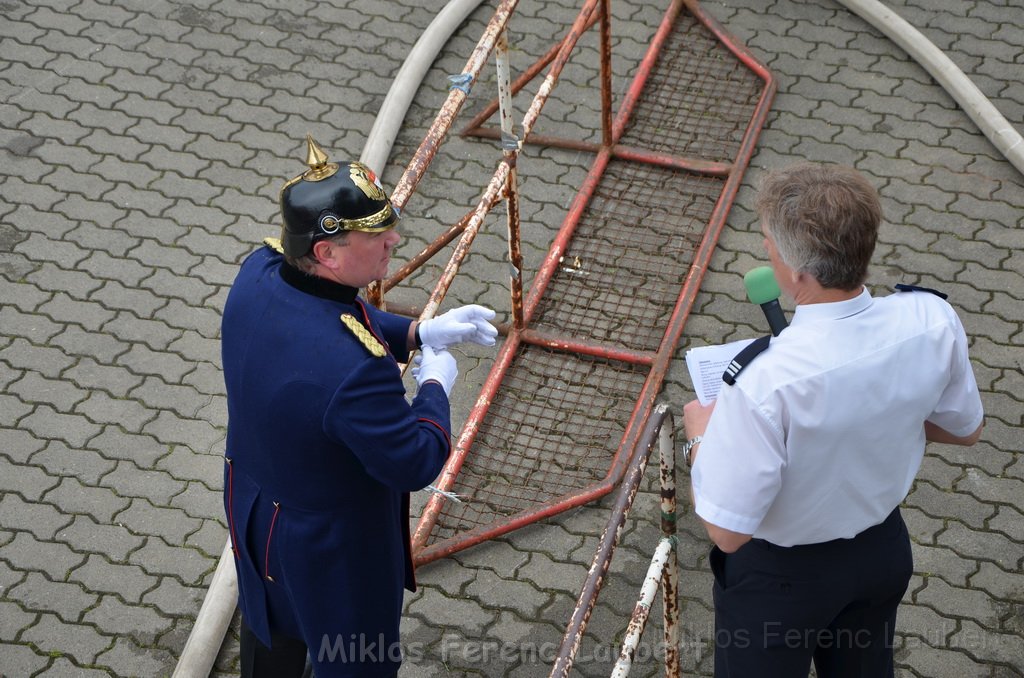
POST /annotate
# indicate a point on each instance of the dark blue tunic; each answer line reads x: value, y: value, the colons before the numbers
x: 322, y: 450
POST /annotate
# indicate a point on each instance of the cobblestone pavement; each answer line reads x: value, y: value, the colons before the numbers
x: 143, y: 145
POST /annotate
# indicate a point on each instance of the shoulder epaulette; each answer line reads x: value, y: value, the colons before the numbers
x: 914, y: 288
x: 274, y: 244
x: 744, y: 358
x: 363, y: 335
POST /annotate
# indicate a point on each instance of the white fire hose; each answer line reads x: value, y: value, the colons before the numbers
x: 992, y: 124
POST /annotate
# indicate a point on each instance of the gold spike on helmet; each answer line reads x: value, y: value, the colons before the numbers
x: 329, y: 198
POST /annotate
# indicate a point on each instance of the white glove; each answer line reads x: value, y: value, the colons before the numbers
x: 466, y: 323
x: 435, y: 365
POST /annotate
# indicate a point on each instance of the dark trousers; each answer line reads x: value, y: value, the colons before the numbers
x: 777, y: 609
x: 285, y: 659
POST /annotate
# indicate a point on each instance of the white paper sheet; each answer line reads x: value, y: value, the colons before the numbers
x: 706, y: 365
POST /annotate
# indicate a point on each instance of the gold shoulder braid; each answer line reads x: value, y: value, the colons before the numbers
x: 274, y: 244
x: 363, y: 335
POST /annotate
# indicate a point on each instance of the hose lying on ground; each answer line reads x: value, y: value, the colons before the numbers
x: 992, y: 124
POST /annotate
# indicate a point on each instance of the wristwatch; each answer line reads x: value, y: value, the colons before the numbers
x: 688, y: 448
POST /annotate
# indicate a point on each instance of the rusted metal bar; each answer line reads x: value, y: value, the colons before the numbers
x: 606, y: 73
x: 625, y: 152
x: 490, y: 196
x: 457, y: 95
x: 510, y: 150
x: 576, y: 31
x: 670, y: 575
x: 638, y: 620
x: 458, y: 455
x: 606, y: 547
x: 473, y: 128
x: 567, y: 344
x: 432, y: 248
x: 453, y: 104
x: 646, y: 65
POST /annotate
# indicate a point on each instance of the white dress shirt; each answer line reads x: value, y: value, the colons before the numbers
x: 823, y: 433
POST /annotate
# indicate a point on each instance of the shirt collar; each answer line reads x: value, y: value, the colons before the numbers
x: 317, y: 286
x: 835, y: 310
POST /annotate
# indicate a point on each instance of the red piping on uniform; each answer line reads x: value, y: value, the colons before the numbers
x: 270, y: 534
x: 369, y: 326
x: 447, y: 435
x: 231, y: 505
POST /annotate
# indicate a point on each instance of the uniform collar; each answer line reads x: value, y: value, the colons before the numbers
x: 317, y: 286
x: 835, y: 310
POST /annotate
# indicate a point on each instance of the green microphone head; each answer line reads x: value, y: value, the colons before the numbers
x: 761, y: 285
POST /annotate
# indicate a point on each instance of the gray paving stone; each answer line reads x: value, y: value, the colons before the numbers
x: 953, y: 601
x: 62, y: 308
x: 34, y: 327
x: 85, y: 535
x: 142, y: 517
x: 129, y: 582
x: 171, y: 429
x: 25, y: 552
x: 937, y: 503
x: 1009, y: 521
x: 29, y: 481
x: 187, y: 564
x: 21, y: 660
x: 114, y: 443
x: 41, y: 519
x: 989, y: 646
x: 20, y: 354
x: 209, y: 538
x: 98, y: 502
x: 128, y: 658
x: 64, y: 668
x: 89, y: 374
x: 14, y: 410
x: 39, y: 594
x: 172, y: 598
x: 205, y: 321
x: 113, y: 617
x: 183, y: 464
x: 103, y: 409
x: 199, y: 501
x: 13, y: 619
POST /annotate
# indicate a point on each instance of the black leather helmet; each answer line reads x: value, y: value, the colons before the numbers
x: 329, y: 198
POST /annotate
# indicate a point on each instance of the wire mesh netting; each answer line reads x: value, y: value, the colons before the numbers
x: 621, y: 276
x: 698, y: 100
x: 553, y: 428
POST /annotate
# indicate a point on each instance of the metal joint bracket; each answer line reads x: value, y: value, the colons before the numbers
x: 461, y: 81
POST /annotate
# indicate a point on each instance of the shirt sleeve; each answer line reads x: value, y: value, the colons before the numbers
x: 738, y: 470
x: 959, y: 410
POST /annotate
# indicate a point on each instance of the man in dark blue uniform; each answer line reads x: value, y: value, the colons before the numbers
x: 323, y: 447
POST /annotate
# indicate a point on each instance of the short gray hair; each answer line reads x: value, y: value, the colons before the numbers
x: 823, y: 219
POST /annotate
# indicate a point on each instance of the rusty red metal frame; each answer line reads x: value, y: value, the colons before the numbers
x: 659, y: 360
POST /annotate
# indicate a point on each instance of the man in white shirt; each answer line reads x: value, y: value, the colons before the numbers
x: 800, y: 466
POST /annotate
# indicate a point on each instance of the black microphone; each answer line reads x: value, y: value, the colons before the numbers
x: 762, y: 289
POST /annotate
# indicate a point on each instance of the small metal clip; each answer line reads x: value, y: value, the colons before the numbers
x: 447, y: 495
x: 461, y: 81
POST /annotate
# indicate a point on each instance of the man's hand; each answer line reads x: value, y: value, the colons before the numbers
x: 466, y: 323
x: 696, y: 417
x: 435, y: 365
